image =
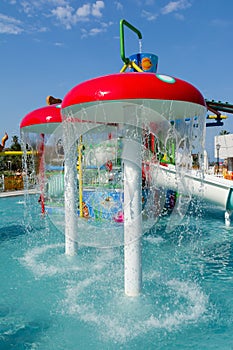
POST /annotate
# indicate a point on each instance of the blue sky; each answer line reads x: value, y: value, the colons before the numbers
x: 49, y: 46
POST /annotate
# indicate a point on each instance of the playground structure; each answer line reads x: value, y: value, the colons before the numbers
x: 101, y: 148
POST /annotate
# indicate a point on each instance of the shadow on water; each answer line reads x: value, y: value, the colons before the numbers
x: 19, y: 335
x: 22, y: 336
x: 11, y: 232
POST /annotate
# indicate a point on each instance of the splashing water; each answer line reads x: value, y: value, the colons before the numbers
x: 70, y: 302
x: 140, y: 45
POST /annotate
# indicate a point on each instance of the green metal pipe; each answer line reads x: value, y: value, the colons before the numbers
x: 122, y: 41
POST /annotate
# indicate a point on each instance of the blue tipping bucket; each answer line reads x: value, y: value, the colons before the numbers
x: 148, y: 62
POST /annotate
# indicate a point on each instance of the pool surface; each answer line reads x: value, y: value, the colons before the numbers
x: 51, y: 301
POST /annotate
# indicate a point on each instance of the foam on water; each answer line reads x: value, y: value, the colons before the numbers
x: 154, y: 240
x: 121, y: 319
x: 91, y: 299
x: 35, y: 260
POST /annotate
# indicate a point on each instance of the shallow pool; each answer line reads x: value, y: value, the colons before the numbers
x: 51, y: 301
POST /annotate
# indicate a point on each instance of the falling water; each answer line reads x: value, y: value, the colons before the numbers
x: 90, y: 308
x: 140, y: 45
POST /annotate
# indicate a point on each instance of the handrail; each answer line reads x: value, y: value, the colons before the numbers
x: 122, y: 43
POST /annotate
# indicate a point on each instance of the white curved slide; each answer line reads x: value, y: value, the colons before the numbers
x: 216, y: 190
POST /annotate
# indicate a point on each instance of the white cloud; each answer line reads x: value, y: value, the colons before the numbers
x: 173, y: 6
x: 106, y: 25
x: 95, y: 31
x: 68, y: 17
x: 10, y: 25
x: 55, y: 2
x: 60, y: 10
x: 84, y: 11
x: 96, y: 9
x: 42, y: 29
x: 65, y: 16
x: 149, y: 16
x: 92, y: 32
x: 58, y: 44
x: 91, y: 9
x: 32, y: 6
x: 28, y: 8
x: 119, y: 5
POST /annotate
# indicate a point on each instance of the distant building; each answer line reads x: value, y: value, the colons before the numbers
x: 223, y: 149
x: 225, y: 143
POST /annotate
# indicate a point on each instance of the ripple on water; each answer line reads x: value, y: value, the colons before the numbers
x: 120, y: 319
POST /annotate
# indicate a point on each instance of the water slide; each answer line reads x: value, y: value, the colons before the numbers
x: 215, y: 190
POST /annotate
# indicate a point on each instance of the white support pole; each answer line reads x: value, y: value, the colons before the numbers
x: 132, y: 161
x: 227, y: 218
x: 70, y: 190
x: 42, y: 172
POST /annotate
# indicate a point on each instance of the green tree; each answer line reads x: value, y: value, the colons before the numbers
x: 15, y: 145
x: 224, y: 132
x: 8, y: 162
x: 16, y: 161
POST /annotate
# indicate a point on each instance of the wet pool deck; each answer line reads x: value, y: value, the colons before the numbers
x: 17, y: 193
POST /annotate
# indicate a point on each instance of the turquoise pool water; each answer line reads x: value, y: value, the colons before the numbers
x: 51, y: 301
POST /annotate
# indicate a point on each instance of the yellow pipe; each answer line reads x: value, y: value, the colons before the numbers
x: 16, y: 153
x: 135, y: 66
x: 131, y: 64
x: 80, y: 172
x: 216, y: 117
x: 123, y: 69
